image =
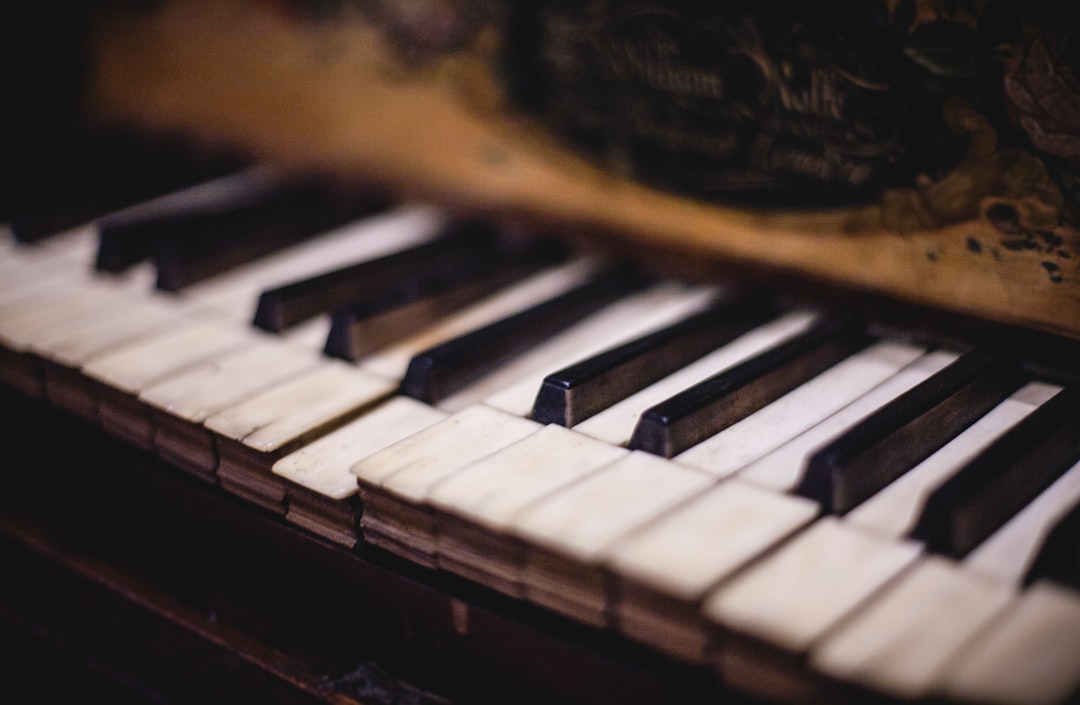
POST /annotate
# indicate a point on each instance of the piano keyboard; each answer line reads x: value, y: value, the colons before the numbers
x: 798, y: 498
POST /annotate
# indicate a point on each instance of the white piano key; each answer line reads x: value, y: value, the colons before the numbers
x: 616, y: 423
x: 325, y: 466
x: 292, y: 409
x: 123, y: 320
x: 253, y: 434
x: 237, y: 292
x: 782, y: 468
x: 394, y: 482
x: 689, y: 550
x: 412, y: 467
x: 584, y: 519
x: 664, y: 569
x: 793, y: 597
x: 646, y: 313
x: 476, y: 506
x: 1008, y: 553
x: 320, y: 490
x: 1030, y: 656
x: 894, y: 510
x: 493, y: 490
x: 569, y: 531
x: 795, y: 412
x: 393, y: 361
x: 137, y: 365
x: 902, y: 643
x: 215, y: 385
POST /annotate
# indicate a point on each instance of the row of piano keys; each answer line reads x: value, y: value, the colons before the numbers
x: 802, y: 500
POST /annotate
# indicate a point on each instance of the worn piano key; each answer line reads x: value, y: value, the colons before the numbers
x: 903, y: 643
x: 512, y: 386
x: 476, y: 506
x: 773, y: 613
x: 258, y: 431
x: 463, y: 246
x: 394, y: 360
x: 801, y: 409
x: 783, y: 468
x: 616, y: 423
x: 180, y: 403
x: 1008, y: 554
x: 237, y: 291
x: 1027, y: 657
x: 577, y: 392
x: 665, y: 569
x: 57, y: 305
x: 568, y: 533
x: 121, y: 374
x: 394, y: 482
x: 65, y: 350
x: 992, y: 487
x: 911, y: 427
x: 1058, y: 557
x: 134, y: 234
x: 198, y: 246
x: 322, y: 493
x: 894, y: 510
x: 712, y: 405
x: 439, y: 372
x: 412, y: 302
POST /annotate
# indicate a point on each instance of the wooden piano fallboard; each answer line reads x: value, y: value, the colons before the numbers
x: 333, y: 95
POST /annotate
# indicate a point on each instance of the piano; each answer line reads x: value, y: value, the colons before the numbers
x: 286, y: 432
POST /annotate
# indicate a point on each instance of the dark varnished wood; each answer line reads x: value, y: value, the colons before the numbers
x: 901, y: 434
x: 199, y: 246
x: 1004, y: 477
x: 575, y: 393
x: 712, y: 405
x: 438, y: 372
x: 462, y: 247
x: 133, y: 235
x: 416, y: 302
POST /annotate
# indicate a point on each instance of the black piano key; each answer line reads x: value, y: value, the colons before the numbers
x: 136, y: 234
x: 1008, y: 474
x: 408, y: 306
x: 880, y: 448
x: 712, y: 405
x: 447, y: 368
x: 199, y: 246
x: 461, y: 247
x: 1058, y: 558
x: 573, y: 394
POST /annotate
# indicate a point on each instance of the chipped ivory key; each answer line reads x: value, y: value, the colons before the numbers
x: 258, y: 431
x: 476, y: 507
x: 664, y: 570
x: 394, y: 482
x: 322, y: 491
x: 568, y: 532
